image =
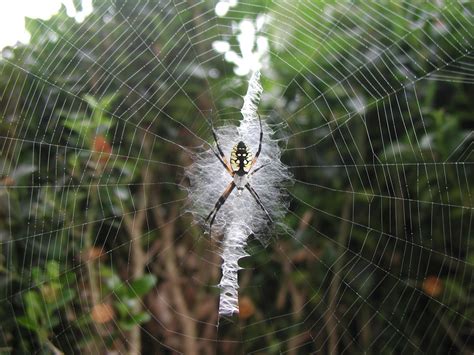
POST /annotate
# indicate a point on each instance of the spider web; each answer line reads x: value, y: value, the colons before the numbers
x: 99, y: 119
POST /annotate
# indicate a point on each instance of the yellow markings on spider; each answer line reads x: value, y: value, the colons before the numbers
x: 240, y: 158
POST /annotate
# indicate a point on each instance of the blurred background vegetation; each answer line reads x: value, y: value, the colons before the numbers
x: 99, y: 118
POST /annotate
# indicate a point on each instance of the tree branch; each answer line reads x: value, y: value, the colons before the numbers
x: 134, y: 226
x: 331, y: 314
x: 167, y: 230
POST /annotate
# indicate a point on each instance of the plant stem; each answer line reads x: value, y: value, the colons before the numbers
x: 331, y: 314
x: 53, y: 348
x: 88, y: 244
x: 167, y: 230
x: 134, y: 226
x: 90, y: 262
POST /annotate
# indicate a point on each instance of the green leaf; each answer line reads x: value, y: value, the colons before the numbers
x: 36, y: 275
x: 64, y: 297
x: 80, y: 126
x: 91, y: 101
x: 106, y: 102
x: 27, y: 323
x: 52, y: 268
x: 126, y: 324
x: 141, y: 318
x: 34, y: 306
x: 114, y: 283
x: 121, y: 308
x: 68, y: 278
x: 141, y: 286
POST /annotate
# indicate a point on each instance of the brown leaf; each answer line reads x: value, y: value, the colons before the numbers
x: 7, y: 181
x: 433, y: 286
x: 102, y: 146
x: 246, y: 307
x: 102, y: 313
x: 92, y: 254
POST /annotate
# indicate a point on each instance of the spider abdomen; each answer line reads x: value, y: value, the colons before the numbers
x: 240, y: 159
x: 240, y: 181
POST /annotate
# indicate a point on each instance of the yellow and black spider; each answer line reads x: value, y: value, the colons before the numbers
x: 240, y: 167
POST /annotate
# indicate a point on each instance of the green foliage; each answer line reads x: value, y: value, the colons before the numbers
x: 51, y: 295
x: 127, y: 296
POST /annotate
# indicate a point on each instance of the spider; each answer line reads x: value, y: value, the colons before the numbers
x: 240, y: 168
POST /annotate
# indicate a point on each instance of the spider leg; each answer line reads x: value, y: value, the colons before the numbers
x: 221, y: 155
x: 257, y: 198
x: 259, y: 144
x: 219, y: 203
x: 260, y: 167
